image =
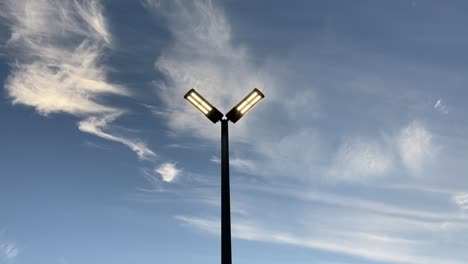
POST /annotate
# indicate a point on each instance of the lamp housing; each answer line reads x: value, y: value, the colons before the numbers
x: 245, y: 105
x: 203, y: 105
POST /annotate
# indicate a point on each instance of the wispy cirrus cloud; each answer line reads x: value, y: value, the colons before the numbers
x: 389, y: 232
x: 461, y: 200
x: 416, y: 147
x: 97, y: 125
x: 8, y: 250
x: 243, y: 165
x: 56, y: 48
x: 441, y: 107
x: 367, y: 246
x: 202, y: 56
x: 151, y: 4
x: 362, y: 159
x: 359, y: 160
x: 380, y: 229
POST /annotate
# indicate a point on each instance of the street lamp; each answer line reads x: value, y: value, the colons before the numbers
x: 234, y: 115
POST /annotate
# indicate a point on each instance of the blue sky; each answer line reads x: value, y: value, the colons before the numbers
x: 357, y: 154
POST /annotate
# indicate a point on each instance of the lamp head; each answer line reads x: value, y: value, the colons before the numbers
x: 201, y: 104
x: 245, y: 105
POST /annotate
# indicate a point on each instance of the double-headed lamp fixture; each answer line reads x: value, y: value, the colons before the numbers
x: 215, y: 115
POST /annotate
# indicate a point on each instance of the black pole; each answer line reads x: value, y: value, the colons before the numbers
x: 225, y: 196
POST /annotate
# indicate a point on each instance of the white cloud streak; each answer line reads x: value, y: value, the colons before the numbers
x: 377, y: 207
x: 97, y: 124
x: 242, y: 165
x: 57, y: 48
x: 441, y: 106
x: 367, y: 248
x: 345, y: 201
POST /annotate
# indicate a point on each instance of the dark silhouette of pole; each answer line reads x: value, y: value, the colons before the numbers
x: 225, y: 196
x: 215, y: 115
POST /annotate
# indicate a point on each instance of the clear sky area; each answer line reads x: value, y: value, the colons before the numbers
x: 357, y: 154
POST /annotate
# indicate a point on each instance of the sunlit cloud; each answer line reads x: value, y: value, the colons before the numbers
x: 168, y: 172
x: 57, y: 49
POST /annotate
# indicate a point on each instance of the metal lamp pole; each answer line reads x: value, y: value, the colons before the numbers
x: 225, y: 196
x: 234, y: 115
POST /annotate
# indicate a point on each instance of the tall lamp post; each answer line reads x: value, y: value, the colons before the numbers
x: 234, y: 115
